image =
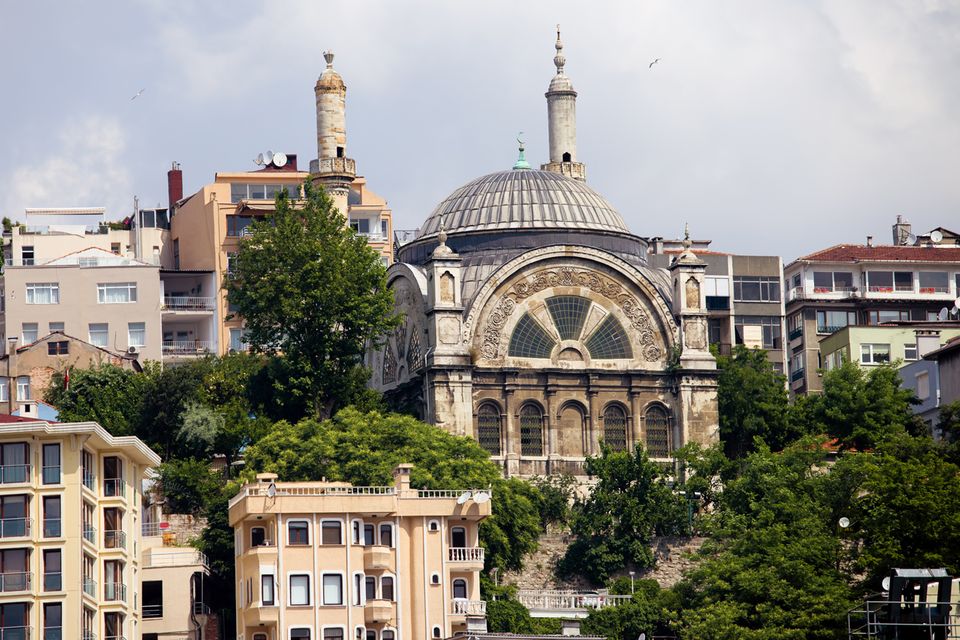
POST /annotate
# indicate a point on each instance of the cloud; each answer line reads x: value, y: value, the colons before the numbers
x: 86, y: 169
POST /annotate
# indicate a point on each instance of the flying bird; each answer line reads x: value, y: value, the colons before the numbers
x: 138, y: 94
x: 650, y: 66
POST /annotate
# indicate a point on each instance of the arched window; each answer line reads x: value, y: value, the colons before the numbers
x: 460, y: 588
x: 530, y: 340
x: 657, y: 424
x: 568, y: 313
x: 566, y: 156
x: 488, y: 428
x: 609, y: 341
x: 531, y: 431
x: 458, y: 537
x: 615, y: 427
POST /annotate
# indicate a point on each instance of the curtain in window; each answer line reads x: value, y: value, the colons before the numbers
x: 332, y: 589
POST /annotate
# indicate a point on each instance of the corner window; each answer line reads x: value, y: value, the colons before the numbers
x: 266, y: 590
x: 386, y: 588
x: 258, y: 537
x: 331, y: 532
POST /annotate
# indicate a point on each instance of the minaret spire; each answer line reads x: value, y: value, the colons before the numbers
x: 562, y: 121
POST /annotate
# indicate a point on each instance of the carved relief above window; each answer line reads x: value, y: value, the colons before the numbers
x: 604, y: 341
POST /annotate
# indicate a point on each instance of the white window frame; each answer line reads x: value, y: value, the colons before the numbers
x: 320, y: 541
x: 393, y: 577
x: 433, y: 526
x: 435, y: 579
x: 106, y: 334
x: 358, y: 588
x: 393, y: 531
x: 61, y: 327
x: 392, y: 630
x: 297, y: 521
x: 300, y: 627
x: 34, y: 287
x: 323, y: 630
x: 868, y: 353
x: 911, y: 346
x: 131, y: 332
x: 290, y: 576
x: 25, y: 332
x: 104, y: 287
x: 323, y: 589
x: 23, y: 388
x: 4, y: 389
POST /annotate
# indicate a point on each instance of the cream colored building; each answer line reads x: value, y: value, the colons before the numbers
x: 70, y: 531
x: 332, y: 561
x: 173, y: 599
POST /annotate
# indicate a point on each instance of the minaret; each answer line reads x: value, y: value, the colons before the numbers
x: 562, y: 121
x: 334, y: 170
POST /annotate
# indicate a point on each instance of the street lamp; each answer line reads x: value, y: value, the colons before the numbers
x: 631, y: 582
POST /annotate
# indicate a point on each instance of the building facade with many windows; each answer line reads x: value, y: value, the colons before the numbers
x: 332, y: 561
x: 865, y: 285
x: 70, y: 531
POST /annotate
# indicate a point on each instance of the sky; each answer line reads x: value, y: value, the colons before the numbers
x: 770, y: 126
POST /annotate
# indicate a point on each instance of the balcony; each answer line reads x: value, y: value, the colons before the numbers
x: 114, y: 540
x: 260, y: 616
x: 90, y: 587
x: 470, y: 558
x: 376, y: 557
x: 51, y: 474
x: 14, y: 527
x: 188, y: 303
x: 53, y: 581
x: 187, y: 347
x: 796, y: 375
x: 795, y: 333
x: 461, y: 607
x: 182, y: 557
x: 15, y: 633
x: 17, y: 581
x: 151, y: 611
x: 14, y: 473
x: 114, y: 592
x: 89, y: 481
x: 90, y: 533
x: 830, y: 328
x: 376, y: 611
x: 53, y: 633
x: 718, y: 303
x: 114, y: 488
x: 339, y: 166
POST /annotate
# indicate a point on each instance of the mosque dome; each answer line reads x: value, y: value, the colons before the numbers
x: 523, y: 199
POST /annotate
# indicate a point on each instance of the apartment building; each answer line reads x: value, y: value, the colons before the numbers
x: 173, y: 589
x: 914, y: 279
x: 70, y: 531
x: 332, y: 561
x: 743, y: 297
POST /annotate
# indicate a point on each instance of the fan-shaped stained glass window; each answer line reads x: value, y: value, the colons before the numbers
x: 657, y: 425
x: 414, y: 352
x: 615, y: 427
x: 568, y: 313
x: 389, y: 365
x: 530, y: 340
x: 531, y: 431
x: 488, y: 428
x: 609, y: 341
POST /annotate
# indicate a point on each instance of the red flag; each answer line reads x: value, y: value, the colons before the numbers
x: 66, y: 379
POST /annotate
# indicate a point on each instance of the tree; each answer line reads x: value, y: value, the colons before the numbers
x: 645, y: 612
x: 364, y: 449
x: 753, y: 403
x: 313, y: 295
x: 615, y: 524
x: 862, y: 407
x: 188, y: 486
x: 105, y: 394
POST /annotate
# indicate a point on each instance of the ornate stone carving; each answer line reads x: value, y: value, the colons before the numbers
x: 695, y: 333
x: 693, y: 293
x: 566, y: 277
x: 446, y: 288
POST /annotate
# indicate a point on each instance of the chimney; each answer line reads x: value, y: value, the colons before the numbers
x: 901, y: 231
x: 174, y: 186
x: 869, y: 241
x: 401, y: 477
x: 927, y: 340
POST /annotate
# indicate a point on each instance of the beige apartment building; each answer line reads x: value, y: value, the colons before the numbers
x: 332, y: 561
x: 173, y: 586
x: 70, y: 531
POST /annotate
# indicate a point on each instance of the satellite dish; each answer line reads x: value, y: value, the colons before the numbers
x: 885, y: 583
x: 272, y: 490
x: 259, y: 159
x: 956, y: 303
x: 844, y: 522
x: 911, y: 239
x: 943, y: 314
x: 268, y: 157
x: 481, y: 497
x: 936, y: 236
x: 642, y: 636
x: 279, y: 159
x: 466, y: 495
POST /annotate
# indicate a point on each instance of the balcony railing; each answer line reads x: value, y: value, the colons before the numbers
x: 796, y: 375
x: 89, y: 635
x: 186, y: 347
x: 88, y: 480
x: 13, y: 473
x: 114, y: 592
x: 90, y: 533
x: 51, y: 474
x: 830, y: 328
x: 459, y: 607
x: 53, y: 633
x: 795, y: 333
x: 52, y: 528
x: 559, y: 600
x: 16, y: 581
x: 114, y: 539
x: 15, y: 633
x: 114, y: 488
x: 183, y: 557
x: 90, y: 587
x: 466, y: 554
x: 14, y: 527
x: 152, y: 611
x: 188, y: 303
x: 53, y: 581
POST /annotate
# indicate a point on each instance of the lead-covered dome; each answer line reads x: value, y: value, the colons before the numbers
x: 523, y: 199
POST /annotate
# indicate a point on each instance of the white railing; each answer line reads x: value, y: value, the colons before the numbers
x: 546, y: 599
x: 187, y: 347
x: 188, y: 303
x: 181, y: 558
x: 283, y: 490
x: 15, y: 527
x: 466, y: 554
x: 460, y: 607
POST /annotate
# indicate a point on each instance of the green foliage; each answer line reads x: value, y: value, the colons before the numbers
x: 216, y: 541
x: 364, y: 449
x: 506, y: 615
x: 614, y: 526
x: 311, y: 289
x: 752, y: 400
x: 646, y: 612
x: 557, y: 493
x: 188, y: 486
x: 105, y: 394
x: 862, y: 407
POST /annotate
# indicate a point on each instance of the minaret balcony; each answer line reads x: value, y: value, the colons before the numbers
x: 337, y: 167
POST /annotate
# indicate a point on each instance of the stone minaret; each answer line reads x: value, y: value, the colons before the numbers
x: 562, y: 119
x: 334, y: 170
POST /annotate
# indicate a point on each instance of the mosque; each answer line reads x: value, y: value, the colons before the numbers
x: 534, y: 324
